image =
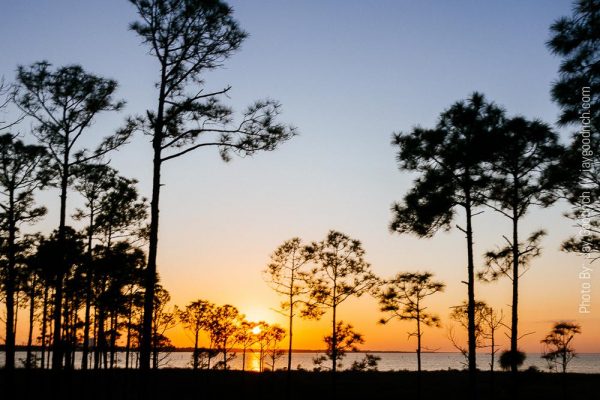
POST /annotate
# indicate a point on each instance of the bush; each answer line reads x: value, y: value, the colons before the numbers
x: 507, y: 358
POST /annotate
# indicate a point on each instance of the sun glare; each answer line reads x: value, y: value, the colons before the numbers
x: 256, y: 330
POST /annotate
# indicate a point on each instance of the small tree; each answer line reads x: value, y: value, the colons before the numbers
x: 286, y: 276
x: 402, y: 298
x: 246, y: 336
x: 368, y: 363
x: 163, y: 319
x: 223, y: 325
x: 558, y: 344
x: 271, y: 338
x: 492, y: 321
x: 459, y: 314
x: 341, y: 272
x: 346, y: 340
x: 195, y: 318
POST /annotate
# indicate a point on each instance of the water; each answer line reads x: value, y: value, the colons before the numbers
x: 583, y: 363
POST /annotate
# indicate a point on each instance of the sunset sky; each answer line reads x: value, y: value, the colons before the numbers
x: 348, y: 73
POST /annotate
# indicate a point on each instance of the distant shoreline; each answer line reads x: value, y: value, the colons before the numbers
x: 21, y: 348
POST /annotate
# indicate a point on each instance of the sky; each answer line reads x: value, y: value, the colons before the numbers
x: 348, y: 74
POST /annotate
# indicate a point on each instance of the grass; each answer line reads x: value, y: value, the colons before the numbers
x: 167, y: 384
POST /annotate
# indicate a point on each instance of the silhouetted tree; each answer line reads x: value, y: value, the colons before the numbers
x: 451, y: 160
x: 402, y: 297
x: 341, y: 272
x: 63, y: 104
x: 576, y: 91
x: 558, y: 342
x: 525, y: 151
x: 368, y: 363
x: 30, y: 284
x: 195, y: 318
x: 122, y: 212
x: 246, y: 336
x: 92, y: 181
x: 22, y: 172
x: 286, y: 275
x: 273, y: 335
x: 188, y: 39
x: 346, y: 339
x: 56, y: 256
x: 487, y: 322
x: 492, y: 321
x: 460, y: 314
x: 163, y: 319
x: 223, y: 325
x: 575, y: 39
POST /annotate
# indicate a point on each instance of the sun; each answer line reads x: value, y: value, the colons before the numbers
x: 256, y: 330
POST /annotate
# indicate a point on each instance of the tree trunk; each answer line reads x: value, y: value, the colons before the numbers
x: 195, y: 359
x: 514, y: 335
x: 150, y: 278
x: 471, y: 297
x: 88, y: 295
x: 244, y: 359
x: 29, y: 355
x: 57, y: 350
x: 44, y: 322
x: 10, y: 288
x: 334, y: 342
x: 418, y: 340
x: 113, y: 338
x: 128, y: 341
x: 291, y: 320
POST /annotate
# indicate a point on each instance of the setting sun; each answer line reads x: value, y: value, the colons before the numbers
x: 256, y: 330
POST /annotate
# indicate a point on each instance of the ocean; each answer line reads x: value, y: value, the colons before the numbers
x: 390, y: 361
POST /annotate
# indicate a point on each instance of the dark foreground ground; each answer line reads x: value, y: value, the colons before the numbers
x: 186, y: 384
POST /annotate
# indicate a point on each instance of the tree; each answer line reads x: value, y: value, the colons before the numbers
x: 163, y: 319
x: 272, y: 337
x: 188, y: 39
x: 575, y: 39
x: 341, y: 272
x: 403, y: 297
x: 52, y: 260
x: 247, y: 335
x: 558, y: 343
x: 63, y: 104
x: 195, y: 318
x: 346, y: 339
x: 122, y: 212
x: 576, y: 91
x: 223, y: 325
x: 526, y: 151
x: 451, y: 160
x: 368, y: 363
x: 22, y: 173
x: 487, y: 321
x: 92, y: 181
x: 285, y: 274
x: 492, y: 321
